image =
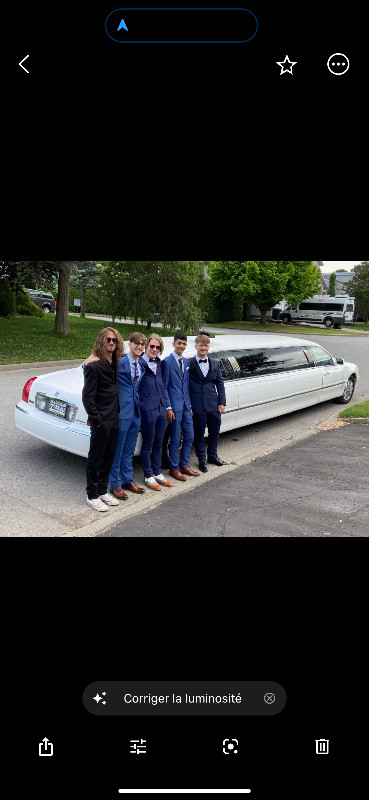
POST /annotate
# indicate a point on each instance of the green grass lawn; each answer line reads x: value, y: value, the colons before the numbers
x: 303, y: 330
x: 27, y: 339
x: 359, y: 410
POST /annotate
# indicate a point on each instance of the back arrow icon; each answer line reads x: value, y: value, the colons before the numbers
x: 21, y: 64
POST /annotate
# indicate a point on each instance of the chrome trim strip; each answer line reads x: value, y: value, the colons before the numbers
x: 23, y: 410
x: 278, y: 399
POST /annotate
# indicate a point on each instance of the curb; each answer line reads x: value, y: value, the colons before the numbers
x: 42, y: 364
x: 356, y: 420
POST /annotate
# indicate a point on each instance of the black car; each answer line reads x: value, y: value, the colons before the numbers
x: 44, y: 300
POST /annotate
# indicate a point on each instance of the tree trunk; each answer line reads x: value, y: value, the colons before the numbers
x: 263, y: 317
x: 148, y: 324
x: 61, y: 316
x: 83, y: 301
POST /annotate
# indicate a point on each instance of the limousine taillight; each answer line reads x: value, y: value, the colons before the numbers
x: 27, y: 389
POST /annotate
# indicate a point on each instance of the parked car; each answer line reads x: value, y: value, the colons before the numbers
x: 44, y: 300
x: 265, y: 376
x: 333, y: 312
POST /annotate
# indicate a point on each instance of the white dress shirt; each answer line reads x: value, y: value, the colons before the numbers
x: 204, y: 367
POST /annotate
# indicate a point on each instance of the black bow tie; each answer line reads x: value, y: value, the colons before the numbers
x: 204, y: 361
x: 152, y: 359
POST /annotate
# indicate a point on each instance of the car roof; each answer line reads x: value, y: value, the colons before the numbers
x: 240, y: 342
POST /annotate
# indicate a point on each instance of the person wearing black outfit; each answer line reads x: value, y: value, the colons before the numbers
x: 100, y: 399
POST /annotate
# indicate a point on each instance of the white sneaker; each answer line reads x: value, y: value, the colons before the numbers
x: 97, y: 505
x: 161, y: 479
x: 109, y: 499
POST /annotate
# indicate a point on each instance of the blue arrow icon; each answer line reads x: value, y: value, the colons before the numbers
x: 122, y: 24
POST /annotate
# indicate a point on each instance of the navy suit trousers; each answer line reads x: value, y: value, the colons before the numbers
x: 153, y: 427
x: 212, y: 420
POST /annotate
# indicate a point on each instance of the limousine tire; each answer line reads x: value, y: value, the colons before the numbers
x: 286, y: 319
x: 165, y: 461
x: 328, y: 322
x: 349, y: 391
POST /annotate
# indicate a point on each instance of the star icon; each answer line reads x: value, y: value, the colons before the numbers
x: 97, y: 698
x: 286, y: 66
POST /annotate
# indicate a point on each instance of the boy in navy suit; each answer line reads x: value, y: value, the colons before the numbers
x: 175, y: 370
x: 130, y: 374
x: 208, y: 401
x: 153, y: 413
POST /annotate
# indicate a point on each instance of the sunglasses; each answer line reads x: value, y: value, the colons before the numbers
x: 155, y: 347
x: 111, y: 339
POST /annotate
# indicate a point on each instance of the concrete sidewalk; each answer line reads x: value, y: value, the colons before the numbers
x: 316, y: 487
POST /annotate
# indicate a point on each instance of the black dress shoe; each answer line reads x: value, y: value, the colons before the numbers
x: 202, y: 466
x: 218, y: 462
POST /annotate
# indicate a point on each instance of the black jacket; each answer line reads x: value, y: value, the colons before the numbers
x: 100, y: 391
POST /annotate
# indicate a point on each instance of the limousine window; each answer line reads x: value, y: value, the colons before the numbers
x: 322, y: 358
x: 225, y: 366
x: 251, y: 363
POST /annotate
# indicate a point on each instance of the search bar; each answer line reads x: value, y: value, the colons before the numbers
x: 181, y: 25
x: 184, y: 791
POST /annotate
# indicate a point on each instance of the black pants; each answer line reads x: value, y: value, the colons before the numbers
x: 101, y: 456
x: 212, y: 421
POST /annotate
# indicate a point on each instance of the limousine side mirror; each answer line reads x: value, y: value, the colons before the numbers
x: 339, y: 361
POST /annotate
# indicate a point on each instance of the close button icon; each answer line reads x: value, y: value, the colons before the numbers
x: 269, y: 698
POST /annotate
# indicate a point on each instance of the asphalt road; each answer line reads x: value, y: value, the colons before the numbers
x: 43, y: 488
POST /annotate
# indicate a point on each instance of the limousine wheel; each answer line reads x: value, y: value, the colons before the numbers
x: 328, y: 322
x: 286, y: 319
x: 349, y: 391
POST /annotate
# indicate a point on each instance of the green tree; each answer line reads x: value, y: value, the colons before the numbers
x: 143, y: 289
x: 85, y: 275
x: 7, y: 298
x: 265, y: 283
x: 30, y: 274
x: 20, y: 273
x: 358, y: 287
x: 332, y: 284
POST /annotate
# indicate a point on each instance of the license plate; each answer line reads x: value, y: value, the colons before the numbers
x: 57, y: 407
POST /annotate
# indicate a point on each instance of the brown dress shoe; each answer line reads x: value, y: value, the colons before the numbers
x: 175, y: 473
x: 188, y: 471
x: 119, y: 493
x: 133, y: 488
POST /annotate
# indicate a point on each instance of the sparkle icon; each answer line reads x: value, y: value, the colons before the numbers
x: 286, y: 66
x: 97, y: 698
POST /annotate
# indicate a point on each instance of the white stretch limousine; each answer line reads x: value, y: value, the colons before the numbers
x: 265, y: 376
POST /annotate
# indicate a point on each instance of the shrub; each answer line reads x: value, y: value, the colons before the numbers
x: 7, y: 299
x: 24, y: 305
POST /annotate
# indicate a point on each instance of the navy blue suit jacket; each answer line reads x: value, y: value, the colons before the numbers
x: 206, y: 393
x: 151, y: 390
x: 128, y: 394
x: 177, y: 391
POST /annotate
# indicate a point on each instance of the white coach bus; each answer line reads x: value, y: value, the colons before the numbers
x: 329, y: 311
